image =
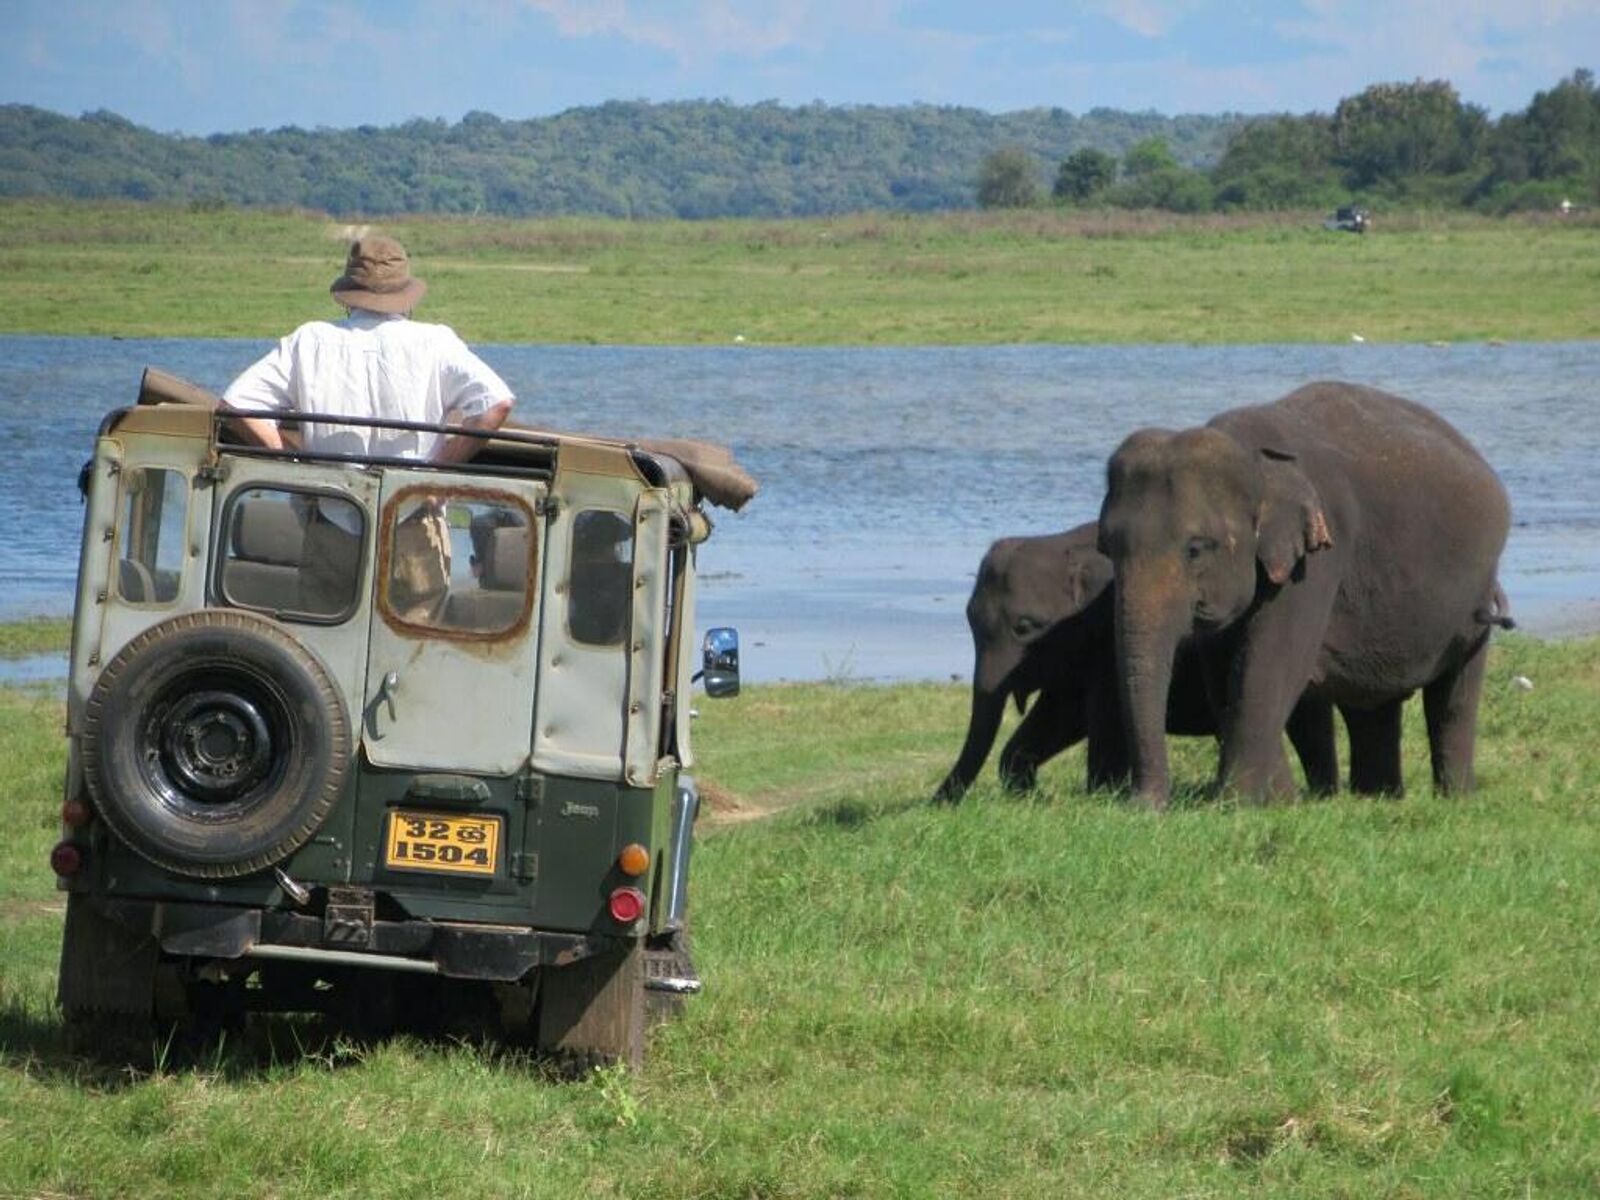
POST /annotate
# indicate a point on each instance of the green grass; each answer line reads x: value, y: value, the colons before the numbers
x: 962, y: 278
x: 38, y: 635
x: 1050, y: 995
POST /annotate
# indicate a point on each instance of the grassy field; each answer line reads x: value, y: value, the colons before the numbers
x: 37, y: 636
x: 965, y: 278
x: 1051, y: 995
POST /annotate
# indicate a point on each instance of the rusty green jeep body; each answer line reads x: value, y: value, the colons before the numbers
x: 380, y: 737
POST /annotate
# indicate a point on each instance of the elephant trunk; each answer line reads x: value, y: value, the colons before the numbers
x: 988, y: 706
x: 1149, y: 626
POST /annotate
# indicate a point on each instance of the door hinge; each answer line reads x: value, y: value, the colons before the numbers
x: 525, y: 866
x: 530, y: 790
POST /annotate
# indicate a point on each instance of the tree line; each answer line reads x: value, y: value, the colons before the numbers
x: 624, y: 159
x: 1397, y: 143
x: 1403, y: 143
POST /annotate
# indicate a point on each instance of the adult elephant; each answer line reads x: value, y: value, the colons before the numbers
x: 1339, y: 543
x: 1041, y: 615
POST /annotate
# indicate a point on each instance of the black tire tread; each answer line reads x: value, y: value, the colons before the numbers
x: 217, y: 620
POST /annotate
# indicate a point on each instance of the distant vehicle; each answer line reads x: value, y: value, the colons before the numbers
x: 373, y: 797
x: 1351, y: 218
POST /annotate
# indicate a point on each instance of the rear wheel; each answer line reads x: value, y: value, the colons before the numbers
x: 215, y: 744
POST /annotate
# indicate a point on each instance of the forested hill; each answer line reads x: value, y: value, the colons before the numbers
x: 687, y: 159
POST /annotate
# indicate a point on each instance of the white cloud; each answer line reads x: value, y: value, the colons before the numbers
x: 156, y: 32
x: 36, y: 52
x: 699, y: 30
x: 1147, y: 18
x: 1464, y: 41
x: 315, y: 32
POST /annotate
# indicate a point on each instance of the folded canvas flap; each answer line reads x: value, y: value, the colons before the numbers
x: 711, y: 467
x: 159, y: 387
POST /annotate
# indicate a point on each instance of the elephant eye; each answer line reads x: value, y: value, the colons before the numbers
x: 1199, y: 546
x: 1025, y: 627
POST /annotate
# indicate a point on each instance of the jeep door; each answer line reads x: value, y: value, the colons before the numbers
x: 604, y: 623
x: 264, y: 512
x: 451, y: 665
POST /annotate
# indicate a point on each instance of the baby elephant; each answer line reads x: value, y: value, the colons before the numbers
x: 1041, y: 618
x: 1042, y: 624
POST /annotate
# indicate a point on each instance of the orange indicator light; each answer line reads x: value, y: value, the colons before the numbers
x: 634, y: 859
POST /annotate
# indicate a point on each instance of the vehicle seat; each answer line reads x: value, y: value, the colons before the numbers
x: 135, y: 584
x: 497, y: 601
x: 262, y: 569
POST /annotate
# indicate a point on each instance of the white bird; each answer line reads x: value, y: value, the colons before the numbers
x: 1356, y: 337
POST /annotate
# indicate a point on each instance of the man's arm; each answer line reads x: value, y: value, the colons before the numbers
x: 459, y: 449
x: 259, y: 432
x: 263, y: 386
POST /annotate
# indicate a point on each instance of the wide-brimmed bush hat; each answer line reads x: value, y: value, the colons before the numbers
x: 377, y: 277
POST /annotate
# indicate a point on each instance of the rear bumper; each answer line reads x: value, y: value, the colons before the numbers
x: 456, y: 949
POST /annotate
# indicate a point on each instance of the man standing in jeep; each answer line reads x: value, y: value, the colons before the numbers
x: 376, y: 363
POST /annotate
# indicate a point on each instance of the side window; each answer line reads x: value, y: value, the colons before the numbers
x: 458, y: 562
x: 150, y: 558
x: 297, y: 554
x: 601, y: 599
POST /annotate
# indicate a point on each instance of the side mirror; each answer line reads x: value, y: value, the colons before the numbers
x: 721, y: 658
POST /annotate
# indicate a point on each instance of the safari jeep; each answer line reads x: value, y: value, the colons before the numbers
x: 337, y: 786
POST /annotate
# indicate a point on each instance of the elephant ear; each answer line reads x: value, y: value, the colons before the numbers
x: 1290, y: 523
x: 1091, y: 576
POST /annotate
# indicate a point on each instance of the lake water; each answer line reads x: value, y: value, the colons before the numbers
x: 885, y: 472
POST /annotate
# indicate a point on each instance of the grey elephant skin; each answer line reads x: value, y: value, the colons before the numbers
x: 1340, y: 543
x: 1041, y: 615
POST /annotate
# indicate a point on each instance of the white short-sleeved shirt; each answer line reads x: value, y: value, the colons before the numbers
x: 370, y: 365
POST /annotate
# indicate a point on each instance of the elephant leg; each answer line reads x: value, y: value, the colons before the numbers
x: 1269, y: 673
x: 1375, y: 749
x: 1451, y: 706
x: 1311, y: 734
x: 1055, y: 722
x: 1110, y: 766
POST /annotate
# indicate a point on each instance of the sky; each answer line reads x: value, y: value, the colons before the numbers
x: 210, y: 66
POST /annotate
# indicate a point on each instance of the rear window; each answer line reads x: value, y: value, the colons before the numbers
x: 458, y: 562
x: 295, y: 554
x: 601, y: 600
x: 151, y: 550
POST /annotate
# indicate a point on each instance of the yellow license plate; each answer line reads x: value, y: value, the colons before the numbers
x: 435, y: 842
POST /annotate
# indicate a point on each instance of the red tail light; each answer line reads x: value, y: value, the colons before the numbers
x: 627, y: 905
x: 76, y: 813
x: 66, y: 859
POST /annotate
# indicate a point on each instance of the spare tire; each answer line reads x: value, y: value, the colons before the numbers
x: 215, y: 744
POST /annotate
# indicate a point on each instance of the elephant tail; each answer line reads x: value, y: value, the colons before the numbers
x: 1497, y: 611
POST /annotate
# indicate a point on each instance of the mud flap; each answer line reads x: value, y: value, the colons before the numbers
x: 591, y: 1012
x: 106, y: 967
